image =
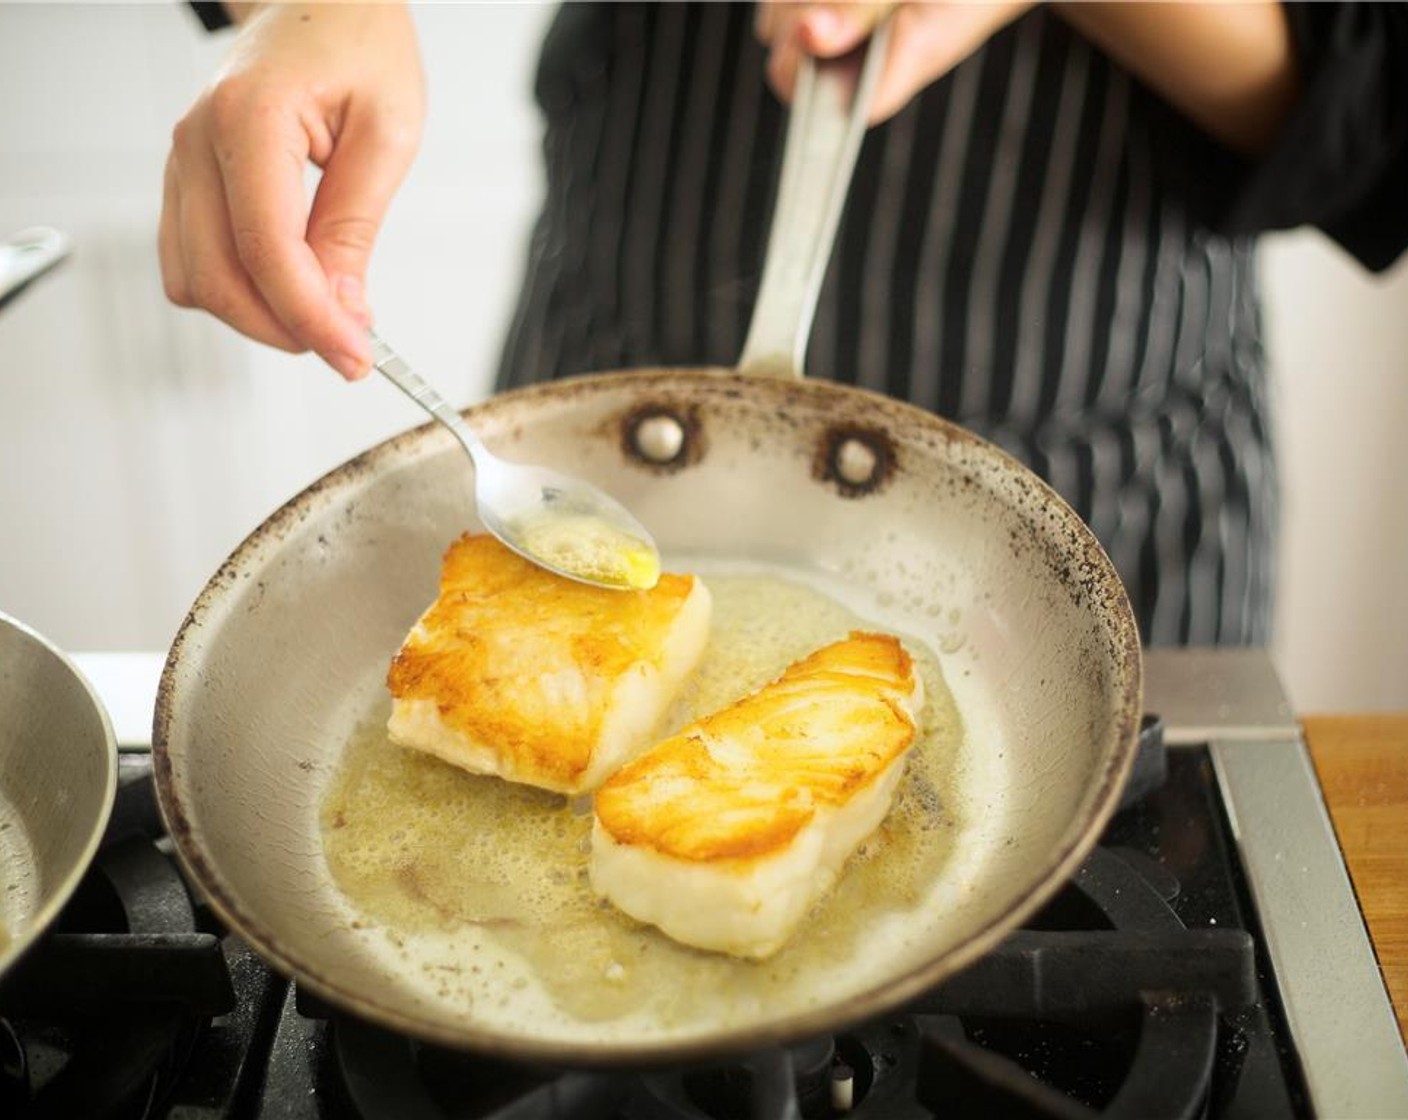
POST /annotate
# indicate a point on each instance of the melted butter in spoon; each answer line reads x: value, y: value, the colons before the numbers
x: 588, y: 547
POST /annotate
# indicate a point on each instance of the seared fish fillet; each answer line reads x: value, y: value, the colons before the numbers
x: 539, y: 679
x: 725, y: 834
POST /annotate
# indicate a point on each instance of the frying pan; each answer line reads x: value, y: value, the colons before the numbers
x: 58, y: 778
x: 275, y: 682
x: 58, y: 757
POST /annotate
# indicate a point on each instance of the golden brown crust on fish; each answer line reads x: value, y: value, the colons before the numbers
x: 528, y: 665
x: 740, y: 784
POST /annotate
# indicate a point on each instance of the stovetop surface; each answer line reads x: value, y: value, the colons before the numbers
x: 1142, y: 989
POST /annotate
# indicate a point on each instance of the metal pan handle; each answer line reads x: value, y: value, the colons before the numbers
x: 824, y: 134
x: 26, y: 256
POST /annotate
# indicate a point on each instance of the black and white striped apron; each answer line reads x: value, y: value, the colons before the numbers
x: 1018, y: 254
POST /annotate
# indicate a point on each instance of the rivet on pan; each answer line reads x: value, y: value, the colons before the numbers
x: 659, y: 437
x: 856, y: 462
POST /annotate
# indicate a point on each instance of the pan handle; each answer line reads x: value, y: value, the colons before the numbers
x: 824, y: 134
x: 27, y: 255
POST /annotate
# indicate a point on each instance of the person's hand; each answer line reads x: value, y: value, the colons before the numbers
x: 927, y: 41
x: 338, y: 85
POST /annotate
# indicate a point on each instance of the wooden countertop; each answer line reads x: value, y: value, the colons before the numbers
x: 1362, y: 763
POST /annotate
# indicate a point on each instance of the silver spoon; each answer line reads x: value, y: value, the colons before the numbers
x: 559, y: 522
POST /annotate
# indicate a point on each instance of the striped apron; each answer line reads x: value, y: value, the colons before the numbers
x: 1020, y: 253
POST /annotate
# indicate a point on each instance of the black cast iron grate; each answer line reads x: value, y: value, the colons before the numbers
x: 104, y: 1011
x: 1151, y: 988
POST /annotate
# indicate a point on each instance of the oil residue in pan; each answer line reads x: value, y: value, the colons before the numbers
x: 424, y: 851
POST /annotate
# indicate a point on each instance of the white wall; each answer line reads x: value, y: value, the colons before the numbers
x: 139, y: 443
x: 1338, y: 341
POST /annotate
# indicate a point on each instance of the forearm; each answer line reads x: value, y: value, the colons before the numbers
x: 1230, y: 67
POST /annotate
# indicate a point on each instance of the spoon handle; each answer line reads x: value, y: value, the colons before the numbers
x: 399, y: 372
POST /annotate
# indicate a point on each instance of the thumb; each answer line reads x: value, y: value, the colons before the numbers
x: 830, y: 30
x: 359, y: 180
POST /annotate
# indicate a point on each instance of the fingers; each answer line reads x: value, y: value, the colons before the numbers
x: 927, y: 41
x: 238, y: 236
x: 168, y: 240
x: 830, y: 30
x: 930, y: 39
x: 204, y: 264
x: 820, y: 30
x: 261, y: 173
x: 923, y: 47
x: 199, y: 264
x: 361, y: 177
x: 337, y: 85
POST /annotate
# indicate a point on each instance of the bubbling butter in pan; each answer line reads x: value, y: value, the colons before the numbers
x: 420, y: 847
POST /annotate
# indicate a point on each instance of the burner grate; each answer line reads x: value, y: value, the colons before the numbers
x: 967, y: 1045
x: 101, y: 1016
x: 1157, y: 910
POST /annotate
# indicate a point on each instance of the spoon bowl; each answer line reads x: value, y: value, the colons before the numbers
x: 557, y: 521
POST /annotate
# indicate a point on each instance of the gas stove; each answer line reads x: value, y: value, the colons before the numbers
x: 1208, y: 959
